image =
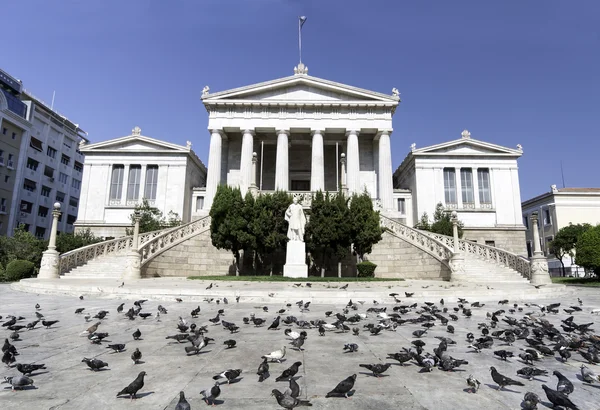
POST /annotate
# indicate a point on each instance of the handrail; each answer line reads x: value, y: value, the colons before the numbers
x: 488, y: 253
x: 167, y: 239
x: 81, y: 256
x: 433, y: 246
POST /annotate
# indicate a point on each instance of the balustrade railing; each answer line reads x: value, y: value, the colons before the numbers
x: 165, y: 239
x: 81, y: 256
x: 438, y: 248
x: 487, y: 253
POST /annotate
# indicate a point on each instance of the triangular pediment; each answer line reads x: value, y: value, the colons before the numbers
x: 300, y: 88
x: 133, y: 143
x: 466, y: 147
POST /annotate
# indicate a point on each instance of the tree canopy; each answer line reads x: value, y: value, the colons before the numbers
x: 565, y: 242
x: 587, y: 254
x: 152, y: 218
x: 442, y: 222
x: 365, y: 228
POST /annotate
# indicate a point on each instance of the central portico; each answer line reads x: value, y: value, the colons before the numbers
x: 299, y: 127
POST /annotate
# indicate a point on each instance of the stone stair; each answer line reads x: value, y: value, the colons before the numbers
x: 483, y: 271
x: 103, y: 267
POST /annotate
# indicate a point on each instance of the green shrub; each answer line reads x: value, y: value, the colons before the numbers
x: 366, y: 269
x: 2, y: 279
x: 19, y: 269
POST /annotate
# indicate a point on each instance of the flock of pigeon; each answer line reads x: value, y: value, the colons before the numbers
x: 531, y: 339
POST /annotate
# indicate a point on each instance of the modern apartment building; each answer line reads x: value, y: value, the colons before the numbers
x: 48, y: 169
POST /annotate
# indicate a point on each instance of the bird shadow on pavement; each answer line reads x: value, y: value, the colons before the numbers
x: 37, y: 373
x: 468, y: 390
x: 371, y: 375
x: 234, y: 381
x: 349, y: 394
x: 217, y: 402
x: 21, y: 388
x: 140, y: 362
x: 138, y: 396
x: 495, y: 387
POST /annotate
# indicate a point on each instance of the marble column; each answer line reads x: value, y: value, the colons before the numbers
x: 353, y: 162
x: 246, y: 160
x: 539, y: 274
x: 282, y: 170
x: 213, y: 173
x: 457, y: 261
x: 50, y: 264
x: 386, y: 189
x: 317, y: 170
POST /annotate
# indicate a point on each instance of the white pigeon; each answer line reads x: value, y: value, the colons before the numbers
x: 362, y: 315
x: 277, y: 355
x: 383, y: 315
x: 292, y: 334
x: 182, y: 321
x: 328, y: 326
x: 87, y: 317
x: 596, y: 311
x: 587, y: 375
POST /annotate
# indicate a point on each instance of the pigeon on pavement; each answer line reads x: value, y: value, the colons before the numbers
x: 502, y: 380
x: 564, y: 385
x: 136, y: 356
x: 343, y: 387
x: 29, y: 368
x: 94, y: 364
x: 209, y: 396
x: 377, y: 368
x: 558, y: 398
x: 230, y: 375
x: 18, y: 382
x: 263, y: 370
x: 182, y: 404
x: 277, y: 355
x: 288, y: 402
x: 289, y: 372
x: 134, y: 386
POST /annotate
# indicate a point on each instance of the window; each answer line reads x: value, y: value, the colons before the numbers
x: 526, y: 222
x: 151, y: 182
x: 62, y: 177
x: 26, y: 227
x: 402, y: 206
x: 116, y: 182
x: 75, y: 183
x: 199, y: 203
x: 32, y: 164
x: 29, y: 185
x: 67, y: 143
x: 299, y: 185
x: 1, y: 157
x: 450, y: 185
x: 547, y: 247
x: 49, y: 172
x: 133, y: 186
x: 71, y: 219
x: 78, y: 166
x: 46, y: 191
x: 14, y: 135
x: 4, y: 131
x: 3, y: 205
x: 491, y: 243
x: 547, y: 219
x: 10, y: 161
x: 26, y: 207
x: 51, y: 152
x: 60, y: 196
x: 485, y: 192
x: 466, y: 180
x: 36, y: 144
x: 39, y: 232
x: 43, y: 211
x: 73, y: 201
x: 65, y: 159
x: 6, y: 178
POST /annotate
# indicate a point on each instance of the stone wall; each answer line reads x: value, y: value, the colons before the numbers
x: 511, y: 240
x: 193, y: 257
x: 396, y: 258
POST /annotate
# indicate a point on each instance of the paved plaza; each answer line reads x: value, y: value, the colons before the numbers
x: 70, y: 384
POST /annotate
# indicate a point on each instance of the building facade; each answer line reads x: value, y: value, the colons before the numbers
x: 478, y: 180
x: 556, y: 209
x: 120, y: 173
x: 48, y: 166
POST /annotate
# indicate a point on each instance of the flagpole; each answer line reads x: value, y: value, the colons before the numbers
x: 300, y: 39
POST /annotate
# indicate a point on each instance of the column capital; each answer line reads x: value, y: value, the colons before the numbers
x: 218, y: 131
x: 317, y: 131
x: 249, y: 131
x: 383, y: 131
x: 352, y: 132
x: 283, y: 131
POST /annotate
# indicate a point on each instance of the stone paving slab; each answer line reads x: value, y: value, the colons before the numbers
x: 69, y: 384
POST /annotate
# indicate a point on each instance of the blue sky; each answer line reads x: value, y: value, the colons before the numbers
x: 512, y: 72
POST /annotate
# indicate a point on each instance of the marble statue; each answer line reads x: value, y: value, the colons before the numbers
x: 296, y: 220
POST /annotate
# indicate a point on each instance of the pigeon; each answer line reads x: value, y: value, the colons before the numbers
x: 209, y: 396
x: 531, y: 372
x: 29, y: 368
x: 473, y: 383
x: 134, y: 386
x: 530, y: 401
x: 564, y: 385
x: 101, y: 315
x: 377, y: 368
x: 119, y: 347
x: 87, y: 317
x: 8, y: 358
x: 343, y: 387
x: 18, y: 382
x: 275, y: 324
x: 120, y: 308
x: 587, y: 375
x: 91, y: 329
x: 400, y: 357
x: 287, y: 401
x: 94, y: 364
x: 230, y: 375
x: 263, y: 370
x: 351, y: 347
x: 502, y: 380
x: 79, y: 310
x: 230, y: 343
x: 289, y: 372
x: 136, y: 356
x: 298, y: 343
x: 32, y: 325
x: 503, y: 354
x: 39, y: 315
x: 277, y: 355
x: 49, y: 323
x: 137, y: 334
x: 558, y: 398
x: 182, y: 404
x: 344, y: 287
x: 144, y: 315
x: 180, y: 337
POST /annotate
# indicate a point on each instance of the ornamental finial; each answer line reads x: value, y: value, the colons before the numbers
x: 465, y: 134
x: 136, y: 132
x: 205, y: 91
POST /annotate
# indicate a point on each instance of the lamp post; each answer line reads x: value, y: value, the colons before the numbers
x: 538, y: 262
x: 133, y: 262
x: 49, y: 268
x: 253, y: 187
x: 457, y: 262
x: 343, y: 172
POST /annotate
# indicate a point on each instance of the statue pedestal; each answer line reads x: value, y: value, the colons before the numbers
x: 295, y: 260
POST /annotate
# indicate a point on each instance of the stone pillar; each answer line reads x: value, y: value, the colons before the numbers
x: 538, y: 262
x: 213, y: 173
x: 49, y: 268
x: 344, y: 185
x: 253, y: 186
x: 457, y: 262
x: 133, y: 260
x: 246, y: 161
x: 386, y: 189
x: 317, y: 171
x: 282, y: 170
x: 353, y: 170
